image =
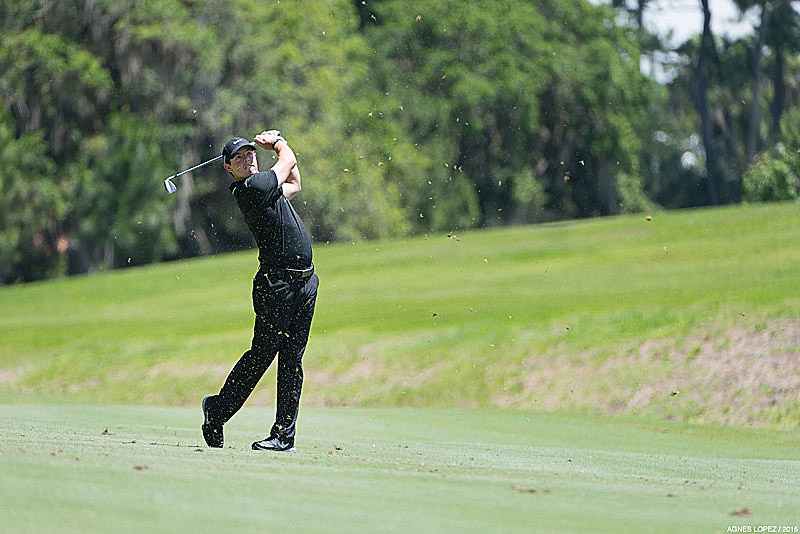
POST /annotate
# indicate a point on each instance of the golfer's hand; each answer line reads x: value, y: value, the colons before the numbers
x: 267, y: 139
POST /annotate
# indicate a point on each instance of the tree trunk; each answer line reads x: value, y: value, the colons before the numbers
x: 702, y: 104
x: 778, y: 101
x: 755, y: 104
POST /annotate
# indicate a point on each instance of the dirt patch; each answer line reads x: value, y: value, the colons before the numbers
x: 182, y: 370
x: 362, y: 370
x: 741, y: 376
x: 746, y: 374
x: 11, y: 377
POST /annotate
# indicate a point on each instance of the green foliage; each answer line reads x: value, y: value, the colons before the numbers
x: 495, y: 101
x: 51, y: 81
x: 118, y: 188
x: 32, y: 205
x: 774, y: 177
x: 631, y: 195
x: 103, y: 116
x: 440, y: 117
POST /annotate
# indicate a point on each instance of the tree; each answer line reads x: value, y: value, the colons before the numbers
x: 314, y: 84
x: 32, y: 204
x: 447, y: 116
x: 783, y: 38
x: 755, y: 104
x: 518, y: 123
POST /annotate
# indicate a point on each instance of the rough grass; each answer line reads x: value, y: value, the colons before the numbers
x: 691, y: 316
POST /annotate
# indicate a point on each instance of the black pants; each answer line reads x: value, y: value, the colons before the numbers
x: 284, y: 306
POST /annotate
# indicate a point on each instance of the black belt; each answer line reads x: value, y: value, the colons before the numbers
x: 294, y: 273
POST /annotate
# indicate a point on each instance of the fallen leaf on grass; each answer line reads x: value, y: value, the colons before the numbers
x: 743, y: 511
x: 106, y: 433
x: 140, y: 467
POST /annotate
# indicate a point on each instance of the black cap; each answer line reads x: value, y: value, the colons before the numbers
x: 233, y: 146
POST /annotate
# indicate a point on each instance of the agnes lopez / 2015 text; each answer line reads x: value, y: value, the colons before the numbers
x: 764, y: 528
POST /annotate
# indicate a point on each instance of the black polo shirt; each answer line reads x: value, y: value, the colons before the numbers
x: 281, y: 237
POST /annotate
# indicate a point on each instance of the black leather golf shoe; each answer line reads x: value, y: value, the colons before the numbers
x: 274, y: 444
x: 212, y: 432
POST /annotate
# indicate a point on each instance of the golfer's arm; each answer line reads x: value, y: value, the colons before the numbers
x: 292, y: 184
x: 286, y: 162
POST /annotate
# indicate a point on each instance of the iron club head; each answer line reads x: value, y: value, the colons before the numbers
x: 168, y: 182
x: 170, y: 186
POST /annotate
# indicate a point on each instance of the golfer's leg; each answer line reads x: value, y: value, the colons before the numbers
x: 290, y: 365
x: 245, y: 375
x: 290, y: 383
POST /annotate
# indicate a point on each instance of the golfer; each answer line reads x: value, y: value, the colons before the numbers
x: 284, y: 290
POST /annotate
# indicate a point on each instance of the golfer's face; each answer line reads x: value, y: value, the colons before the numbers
x: 244, y: 163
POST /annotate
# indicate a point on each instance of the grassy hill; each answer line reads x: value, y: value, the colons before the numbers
x: 693, y: 315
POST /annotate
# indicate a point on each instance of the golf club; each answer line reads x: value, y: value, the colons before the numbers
x: 171, y: 187
x: 168, y: 182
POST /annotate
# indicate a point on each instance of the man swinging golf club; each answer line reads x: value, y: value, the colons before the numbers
x: 284, y: 290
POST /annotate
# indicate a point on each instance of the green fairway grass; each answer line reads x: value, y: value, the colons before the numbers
x: 693, y: 315
x: 145, y: 469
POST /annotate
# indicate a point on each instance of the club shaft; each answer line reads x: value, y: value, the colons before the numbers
x: 196, y: 166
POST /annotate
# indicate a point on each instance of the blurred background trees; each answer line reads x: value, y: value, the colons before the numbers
x: 440, y: 117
